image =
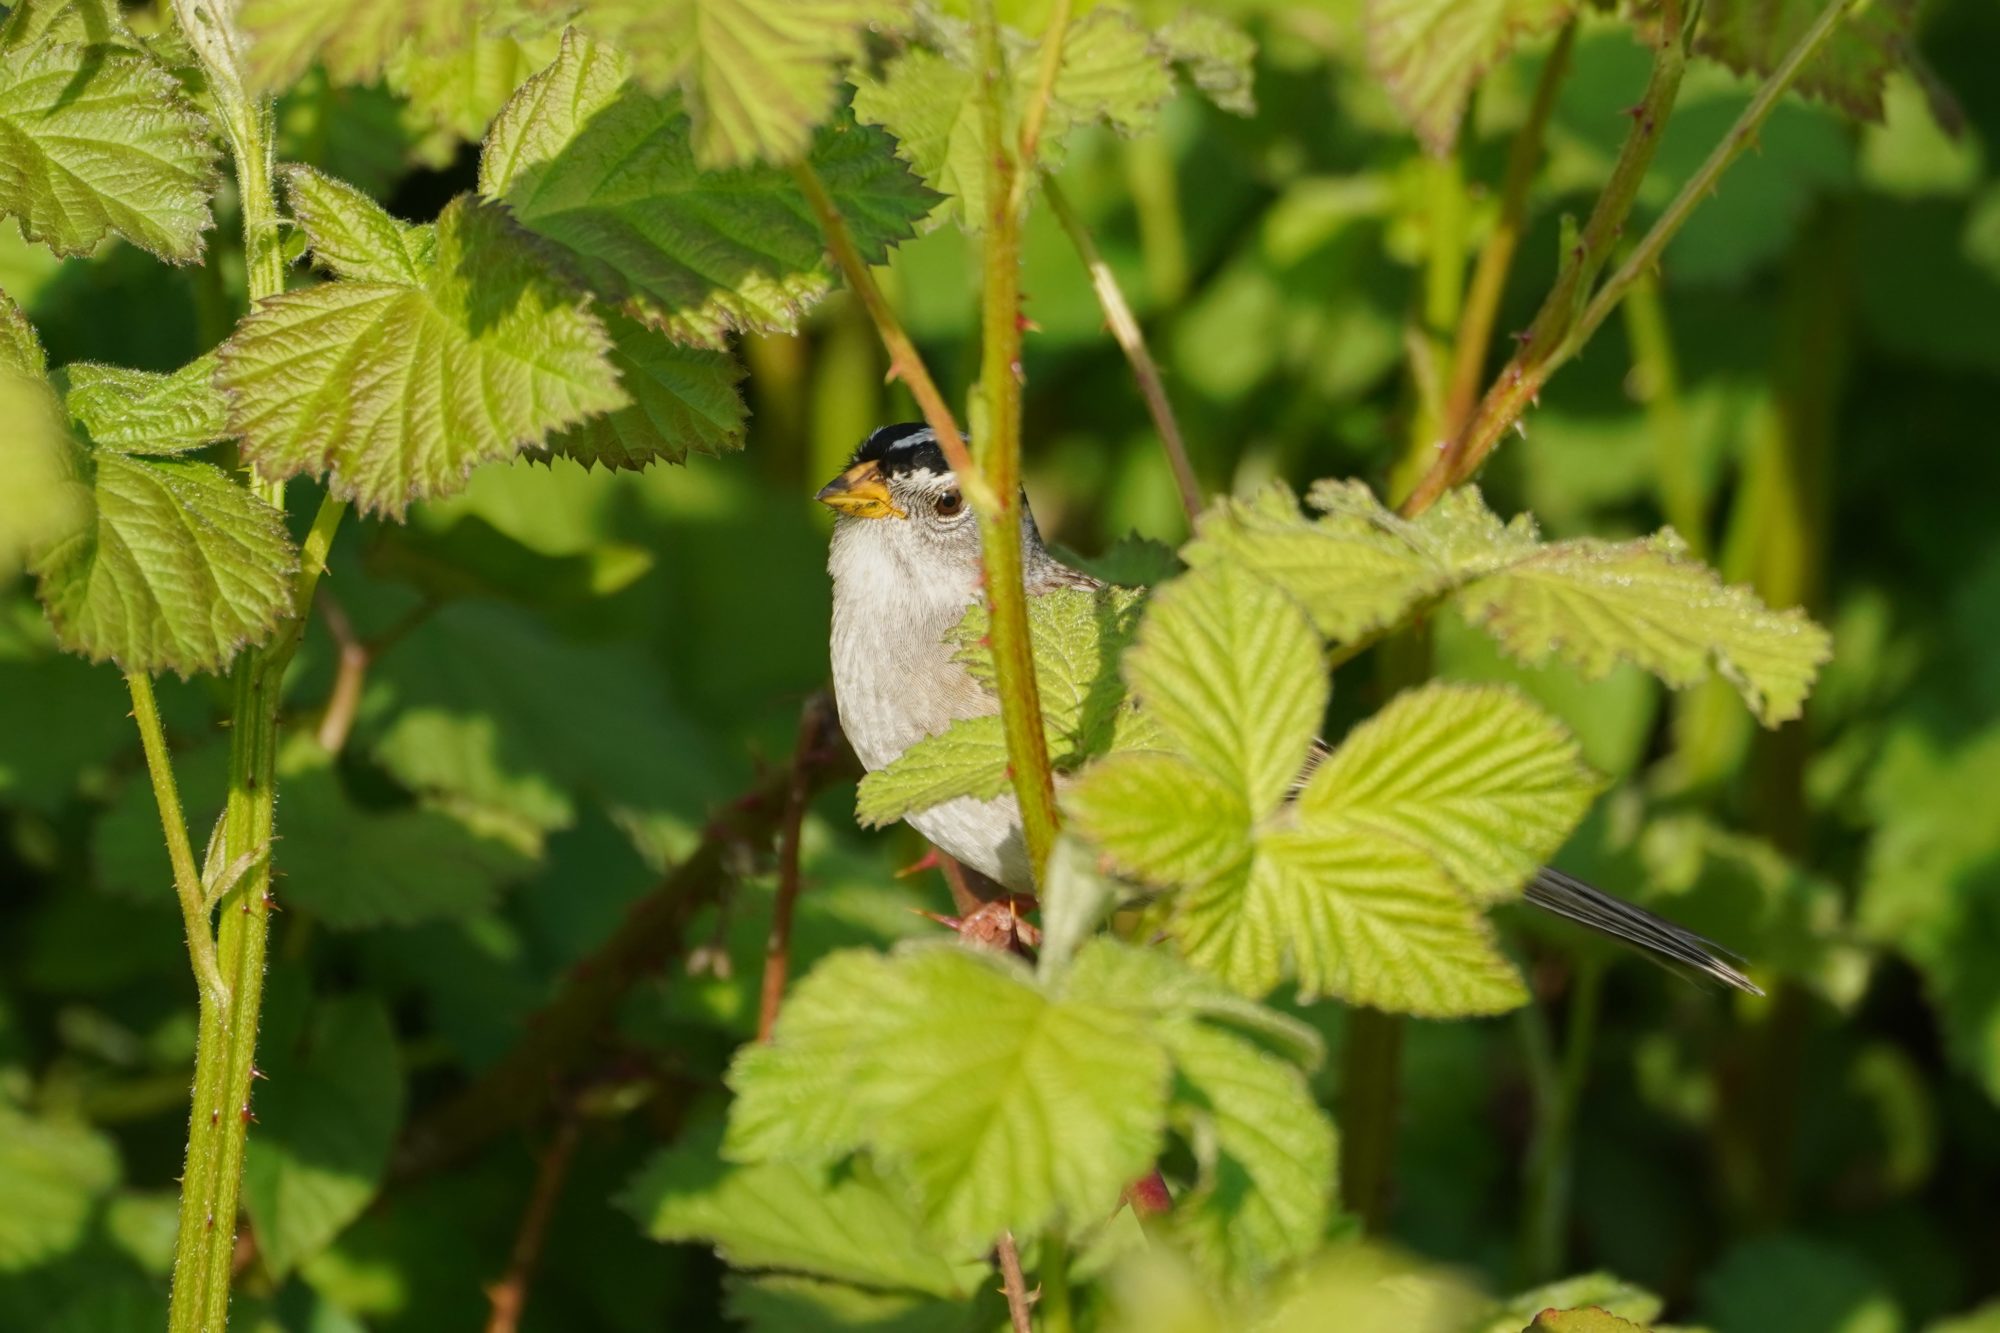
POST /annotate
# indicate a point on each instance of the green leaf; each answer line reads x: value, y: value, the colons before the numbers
x: 1266, y: 1152
x: 52, y: 1174
x: 1228, y: 668
x: 783, y: 1304
x: 1478, y: 778
x: 457, y: 89
x: 43, y: 500
x: 139, y: 412
x: 393, y: 391
x: 683, y: 399
x: 1432, y: 53
x: 1595, y: 603
x: 1076, y: 636
x: 1790, y: 1284
x: 84, y: 22
x: 969, y: 759
x: 607, y: 171
x: 1001, y: 1106
x: 759, y: 76
x: 176, y: 568
x: 100, y: 141
x: 326, y: 1121
x: 354, y: 40
x: 1218, y: 57
x: 778, y: 1215
x: 1589, y: 1319
x: 1754, y: 36
x: 1611, y: 1294
x: 1156, y: 986
x: 1111, y: 73
x: 350, y: 234
x: 1161, y: 819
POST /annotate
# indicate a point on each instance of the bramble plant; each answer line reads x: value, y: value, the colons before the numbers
x: 625, y: 202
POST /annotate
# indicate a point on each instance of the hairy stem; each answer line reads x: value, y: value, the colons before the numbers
x: 180, y: 852
x: 1496, y: 257
x: 905, y: 363
x: 999, y: 450
x: 1125, y: 328
x: 1571, y: 313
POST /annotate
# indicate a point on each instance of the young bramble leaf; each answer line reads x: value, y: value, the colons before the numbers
x: 99, y: 140
x: 352, y: 236
x: 1228, y: 668
x: 392, y: 391
x: 779, y: 1215
x: 1476, y: 777
x: 759, y: 75
x: 1077, y: 637
x: 1753, y: 36
x: 352, y: 40
x: 1160, y: 818
x: 455, y: 90
x: 684, y: 399
x: 325, y: 1125
x: 969, y: 759
x: 138, y: 412
x: 606, y: 170
x: 176, y: 568
x: 1432, y: 53
x: 1001, y: 1106
x: 1589, y: 1319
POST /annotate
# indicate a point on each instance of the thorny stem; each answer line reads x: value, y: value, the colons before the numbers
x: 778, y: 944
x: 1000, y: 451
x: 1015, y: 1285
x: 1496, y: 257
x: 1132, y: 341
x: 1571, y: 314
x: 905, y: 363
x: 509, y: 1296
x: 187, y: 878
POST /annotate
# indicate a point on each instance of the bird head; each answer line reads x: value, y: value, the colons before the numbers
x: 899, y: 500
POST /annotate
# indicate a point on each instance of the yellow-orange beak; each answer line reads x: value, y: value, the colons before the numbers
x: 861, y: 493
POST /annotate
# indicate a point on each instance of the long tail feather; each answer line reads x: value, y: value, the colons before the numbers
x: 1568, y: 896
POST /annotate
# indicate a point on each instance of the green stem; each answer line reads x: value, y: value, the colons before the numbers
x: 1558, y: 1090
x: 999, y: 450
x: 1371, y: 1060
x: 180, y: 853
x: 1125, y: 329
x: 1657, y: 382
x: 1427, y: 340
x: 1054, y: 1305
x: 1566, y: 320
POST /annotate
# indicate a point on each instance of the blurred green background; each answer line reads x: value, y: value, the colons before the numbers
x: 574, y: 669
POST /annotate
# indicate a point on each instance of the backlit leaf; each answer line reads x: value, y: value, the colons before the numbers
x: 392, y: 391
x: 684, y: 399
x: 99, y: 141
x: 1588, y: 1319
x: 350, y: 234
x: 1160, y: 818
x: 139, y: 412
x: 1077, y: 636
x: 1478, y: 778
x: 1754, y: 36
x: 353, y: 40
x: 607, y: 171
x: 1432, y: 53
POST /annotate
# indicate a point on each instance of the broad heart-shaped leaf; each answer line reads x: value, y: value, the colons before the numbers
x: 96, y: 141
x: 1112, y: 72
x: 607, y: 171
x: 759, y: 75
x: 139, y: 412
x: 392, y: 391
x: 1432, y: 53
x: 176, y: 567
x: 1476, y: 777
x: 1001, y: 1106
x: 684, y: 399
x: 353, y: 40
x: 1227, y: 666
x: 326, y: 1119
x: 848, y: 1226
x: 1753, y: 36
x: 52, y: 1174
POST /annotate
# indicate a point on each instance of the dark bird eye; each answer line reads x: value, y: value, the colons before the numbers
x: 949, y: 504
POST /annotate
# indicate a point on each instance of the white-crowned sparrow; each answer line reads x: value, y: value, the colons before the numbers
x: 905, y: 566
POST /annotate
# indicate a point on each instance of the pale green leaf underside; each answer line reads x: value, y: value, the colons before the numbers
x: 96, y: 141
x: 139, y: 412
x: 1358, y: 569
x: 392, y: 391
x: 1476, y: 777
x: 1001, y: 1107
x: 684, y: 400
x: 177, y: 568
x: 1431, y: 53
x: 759, y: 75
x: 780, y: 1215
x: 326, y: 1123
x: 606, y: 170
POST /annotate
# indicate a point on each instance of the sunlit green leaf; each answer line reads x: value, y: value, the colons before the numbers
x: 1588, y: 1319
x: 1432, y: 53
x: 1610, y: 1294
x: 352, y: 40
x: 1161, y: 819
x: 352, y: 236
x: 457, y: 89
x: 607, y: 171
x: 970, y: 759
x: 138, y: 412
x: 1218, y: 56
x: 393, y: 391
x: 52, y: 1173
x: 100, y: 141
